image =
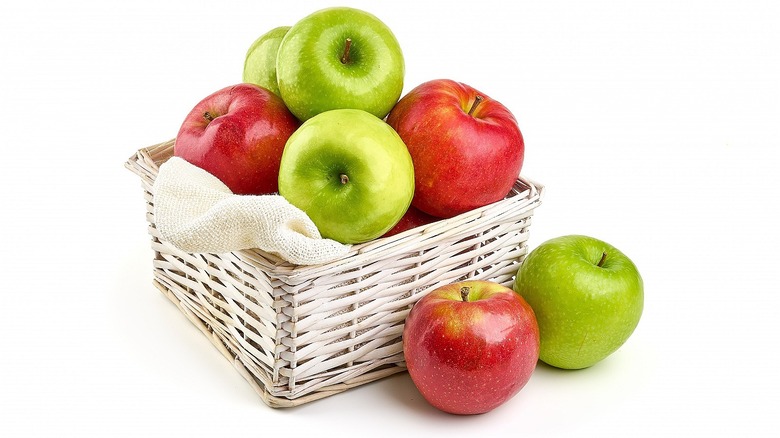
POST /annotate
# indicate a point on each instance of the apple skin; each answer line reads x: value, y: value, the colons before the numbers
x: 260, y: 61
x: 312, y: 78
x: 470, y: 356
x: 585, y: 311
x: 238, y: 135
x: 350, y: 172
x: 462, y: 161
x: 413, y: 218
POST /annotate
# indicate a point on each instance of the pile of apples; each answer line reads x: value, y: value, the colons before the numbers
x: 319, y: 119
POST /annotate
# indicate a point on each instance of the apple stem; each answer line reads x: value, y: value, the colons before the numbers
x: 477, y: 101
x: 603, y: 258
x: 464, y: 293
x: 208, y: 116
x: 344, y: 179
x: 345, y: 56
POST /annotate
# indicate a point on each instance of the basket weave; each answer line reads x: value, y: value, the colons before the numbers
x: 301, y: 333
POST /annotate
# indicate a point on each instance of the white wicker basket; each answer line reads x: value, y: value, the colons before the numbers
x: 300, y: 333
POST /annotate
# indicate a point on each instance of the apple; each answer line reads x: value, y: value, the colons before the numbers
x: 588, y: 298
x: 238, y: 135
x: 470, y: 346
x: 467, y: 148
x: 349, y: 172
x: 340, y: 57
x: 413, y: 218
x: 260, y: 61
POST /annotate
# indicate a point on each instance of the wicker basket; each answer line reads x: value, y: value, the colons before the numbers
x: 300, y: 333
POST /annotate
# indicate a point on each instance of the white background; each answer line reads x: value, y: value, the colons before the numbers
x: 653, y: 125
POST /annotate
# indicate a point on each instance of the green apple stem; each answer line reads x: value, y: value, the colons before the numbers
x: 345, y: 56
x: 464, y: 293
x: 208, y: 116
x: 603, y: 258
x: 477, y: 101
x: 344, y: 179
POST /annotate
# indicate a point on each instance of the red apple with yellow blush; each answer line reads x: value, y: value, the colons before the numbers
x: 467, y: 148
x: 238, y: 135
x: 470, y: 346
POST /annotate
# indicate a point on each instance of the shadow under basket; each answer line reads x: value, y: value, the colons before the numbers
x: 301, y: 333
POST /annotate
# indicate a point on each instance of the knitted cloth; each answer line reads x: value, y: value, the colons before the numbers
x: 197, y: 213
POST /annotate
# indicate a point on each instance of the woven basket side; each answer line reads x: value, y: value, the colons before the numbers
x: 225, y: 295
x: 355, y: 318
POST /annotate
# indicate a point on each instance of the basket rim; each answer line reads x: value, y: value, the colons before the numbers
x: 146, y: 163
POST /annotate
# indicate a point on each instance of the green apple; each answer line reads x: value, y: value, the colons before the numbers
x: 350, y: 172
x: 587, y: 295
x: 260, y: 62
x: 340, y: 58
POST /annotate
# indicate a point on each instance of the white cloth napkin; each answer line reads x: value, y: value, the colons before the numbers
x: 198, y: 213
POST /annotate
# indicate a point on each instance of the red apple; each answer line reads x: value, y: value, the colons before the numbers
x: 466, y: 148
x: 470, y: 346
x: 238, y: 135
x: 413, y: 218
